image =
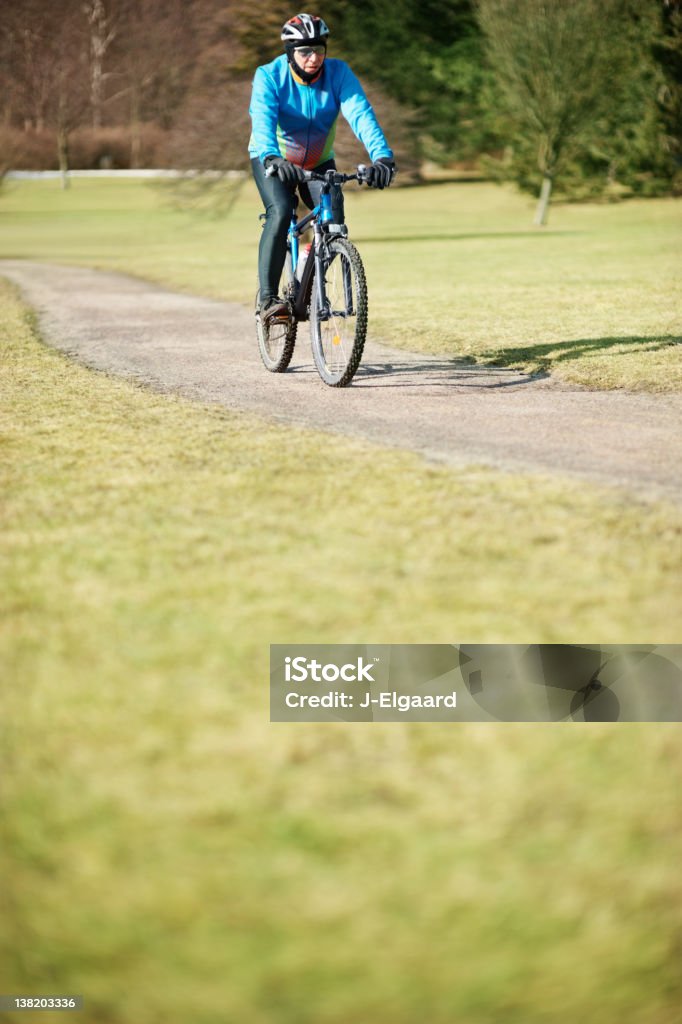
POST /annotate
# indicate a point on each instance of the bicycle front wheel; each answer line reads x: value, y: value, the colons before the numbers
x: 338, y: 314
x: 277, y: 338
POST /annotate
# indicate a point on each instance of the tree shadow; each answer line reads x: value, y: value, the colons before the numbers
x: 529, y: 233
x: 543, y: 356
x: 491, y: 369
x: 433, y: 373
x: 422, y: 183
x: 441, y: 373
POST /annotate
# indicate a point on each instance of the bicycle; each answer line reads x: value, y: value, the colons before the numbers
x: 329, y: 290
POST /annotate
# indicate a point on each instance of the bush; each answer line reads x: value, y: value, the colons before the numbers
x: 8, y: 151
x: 89, y: 149
x: 110, y: 148
x: 35, y: 151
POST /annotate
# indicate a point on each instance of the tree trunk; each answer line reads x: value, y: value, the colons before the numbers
x: 63, y: 151
x: 540, y: 218
x: 101, y: 37
x: 135, y: 137
x: 96, y: 90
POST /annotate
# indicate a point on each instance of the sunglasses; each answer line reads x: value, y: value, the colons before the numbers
x: 310, y: 51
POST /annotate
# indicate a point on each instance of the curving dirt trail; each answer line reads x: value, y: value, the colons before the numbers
x: 449, y: 411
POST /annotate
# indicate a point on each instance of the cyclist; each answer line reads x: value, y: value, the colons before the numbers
x: 295, y: 103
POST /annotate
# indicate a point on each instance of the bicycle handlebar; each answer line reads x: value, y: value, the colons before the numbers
x: 331, y: 176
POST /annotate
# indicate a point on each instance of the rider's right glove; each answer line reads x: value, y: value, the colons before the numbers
x: 380, y: 174
x: 288, y: 173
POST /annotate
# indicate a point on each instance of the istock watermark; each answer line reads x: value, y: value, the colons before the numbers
x: 476, y: 683
x: 299, y: 670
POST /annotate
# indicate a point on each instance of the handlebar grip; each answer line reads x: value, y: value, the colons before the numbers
x: 271, y: 172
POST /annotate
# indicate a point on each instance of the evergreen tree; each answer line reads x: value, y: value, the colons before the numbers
x: 428, y: 56
x: 558, y: 67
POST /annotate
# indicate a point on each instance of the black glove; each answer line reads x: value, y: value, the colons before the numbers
x: 380, y: 173
x: 288, y: 173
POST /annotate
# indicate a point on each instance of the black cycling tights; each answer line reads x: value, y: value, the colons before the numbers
x: 278, y: 200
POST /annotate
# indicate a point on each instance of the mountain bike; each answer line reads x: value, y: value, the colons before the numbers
x: 328, y: 288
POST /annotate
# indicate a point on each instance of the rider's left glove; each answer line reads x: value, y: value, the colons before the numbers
x: 380, y: 174
x: 288, y: 173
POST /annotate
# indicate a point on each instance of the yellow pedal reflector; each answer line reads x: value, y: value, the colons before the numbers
x: 336, y: 340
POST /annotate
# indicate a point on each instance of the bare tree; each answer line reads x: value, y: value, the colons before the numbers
x: 153, y: 55
x: 102, y: 35
x: 557, y: 66
x: 66, y: 43
x: 29, y: 61
x: 47, y: 46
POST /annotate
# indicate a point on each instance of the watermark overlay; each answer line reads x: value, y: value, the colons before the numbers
x: 475, y: 683
x: 32, y: 1002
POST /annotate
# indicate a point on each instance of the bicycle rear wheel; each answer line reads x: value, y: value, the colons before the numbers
x: 277, y: 338
x: 338, y: 314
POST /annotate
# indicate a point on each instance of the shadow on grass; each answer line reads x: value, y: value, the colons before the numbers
x: 441, y: 373
x: 543, y: 357
x: 433, y: 373
x: 531, y: 233
x: 492, y: 368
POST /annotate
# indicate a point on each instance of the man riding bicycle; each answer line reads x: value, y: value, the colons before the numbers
x: 295, y: 104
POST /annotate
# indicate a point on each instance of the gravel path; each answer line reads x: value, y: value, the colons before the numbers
x: 459, y: 414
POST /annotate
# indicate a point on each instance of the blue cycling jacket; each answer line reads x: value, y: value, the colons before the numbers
x: 298, y: 121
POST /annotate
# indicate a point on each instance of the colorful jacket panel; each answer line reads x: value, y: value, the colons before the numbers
x: 298, y: 121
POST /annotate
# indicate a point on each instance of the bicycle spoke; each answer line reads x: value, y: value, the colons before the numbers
x: 277, y: 338
x: 335, y: 303
x: 339, y: 319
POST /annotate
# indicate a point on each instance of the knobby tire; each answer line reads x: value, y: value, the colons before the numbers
x: 341, y: 376
x: 277, y: 341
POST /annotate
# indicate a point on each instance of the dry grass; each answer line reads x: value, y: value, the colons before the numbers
x: 172, y: 856
x: 455, y: 268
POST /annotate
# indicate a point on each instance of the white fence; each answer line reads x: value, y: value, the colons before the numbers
x: 141, y: 173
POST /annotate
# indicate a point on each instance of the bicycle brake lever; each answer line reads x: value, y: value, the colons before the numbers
x: 362, y: 171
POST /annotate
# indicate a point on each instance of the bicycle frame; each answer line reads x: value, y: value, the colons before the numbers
x: 331, y: 291
x: 322, y: 219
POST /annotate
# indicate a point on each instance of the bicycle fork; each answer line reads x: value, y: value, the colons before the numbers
x: 322, y: 260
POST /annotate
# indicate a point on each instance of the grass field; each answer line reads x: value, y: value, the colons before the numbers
x: 456, y: 268
x: 167, y: 852
x: 172, y: 856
